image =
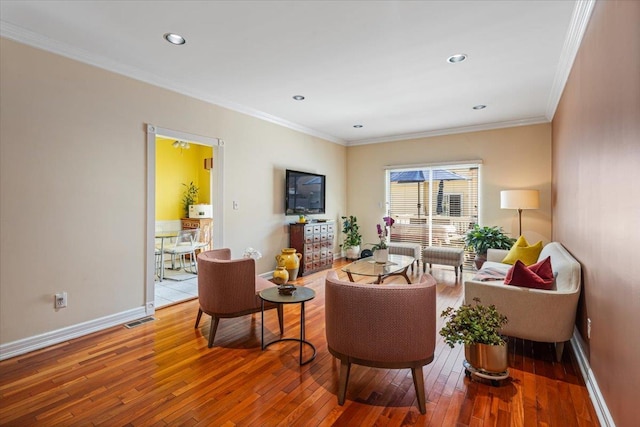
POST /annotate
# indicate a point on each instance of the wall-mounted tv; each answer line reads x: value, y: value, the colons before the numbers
x: 304, y: 193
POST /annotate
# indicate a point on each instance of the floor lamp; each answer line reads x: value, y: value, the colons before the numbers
x: 520, y: 199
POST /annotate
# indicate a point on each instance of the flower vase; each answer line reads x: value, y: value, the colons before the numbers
x: 291, y: 261
x: 381, y: 255
x: 280, y: 275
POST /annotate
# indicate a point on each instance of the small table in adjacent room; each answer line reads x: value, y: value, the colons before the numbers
x: 299, y: 296
x: 397, y: 265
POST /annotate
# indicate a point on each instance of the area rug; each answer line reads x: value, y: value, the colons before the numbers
x: 178, y: 275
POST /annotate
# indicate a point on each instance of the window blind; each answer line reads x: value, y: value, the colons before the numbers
x: 434, y: 206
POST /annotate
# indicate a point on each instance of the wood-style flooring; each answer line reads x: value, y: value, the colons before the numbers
x: 162, y: 373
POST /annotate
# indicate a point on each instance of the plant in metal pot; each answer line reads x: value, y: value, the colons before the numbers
x: 478, y: 327
x: 481, y: 239
x: 353, y: 238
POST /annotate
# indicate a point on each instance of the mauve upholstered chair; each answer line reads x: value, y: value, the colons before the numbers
x: 382, y: 326
x: 229, y: 288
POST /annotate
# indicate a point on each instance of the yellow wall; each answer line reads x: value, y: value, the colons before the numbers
x: 175, y: 167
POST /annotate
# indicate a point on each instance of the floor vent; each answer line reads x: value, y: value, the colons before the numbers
x: 138, y: 322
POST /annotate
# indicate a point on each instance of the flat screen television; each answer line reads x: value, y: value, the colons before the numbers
x: 304, y: 193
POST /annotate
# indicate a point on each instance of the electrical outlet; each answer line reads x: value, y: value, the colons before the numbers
x: 60, y: 300
x: 589, y: 328
x: 235, y: 205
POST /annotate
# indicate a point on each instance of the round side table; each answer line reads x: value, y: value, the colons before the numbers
x: 299, y: 296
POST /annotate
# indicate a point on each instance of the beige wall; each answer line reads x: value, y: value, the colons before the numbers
x: 518, y: 157
x: 596, y: 210
x: 72, y: 182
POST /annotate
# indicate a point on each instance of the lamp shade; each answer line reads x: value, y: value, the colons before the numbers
x: 520, y: 199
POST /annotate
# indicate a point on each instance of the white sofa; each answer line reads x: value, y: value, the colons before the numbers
x: 533, y: 314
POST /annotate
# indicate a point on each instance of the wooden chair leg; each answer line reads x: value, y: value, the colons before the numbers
x: 198, y: 318
x: 418, y: 383
x: 281, y: 318
x: 345, y: 367
x: 212, y: 330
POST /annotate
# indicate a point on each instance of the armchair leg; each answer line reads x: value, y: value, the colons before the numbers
x: 418, y: 383
x: 198, y: 318
x: 281, y: 318
x: 559, y: 349
x: 345, y: 367
x: 212, y: 330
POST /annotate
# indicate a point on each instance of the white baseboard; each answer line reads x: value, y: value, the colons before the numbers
x: 600, y: 406
x: 37, y: 342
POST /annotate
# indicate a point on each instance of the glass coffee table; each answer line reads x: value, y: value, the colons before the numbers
x: 397, y: 265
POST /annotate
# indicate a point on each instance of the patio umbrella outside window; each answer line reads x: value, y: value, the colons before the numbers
x: 419, y: 176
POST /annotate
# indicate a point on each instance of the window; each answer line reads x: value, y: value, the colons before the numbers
x: 433, y: 206
x: 452, y: 204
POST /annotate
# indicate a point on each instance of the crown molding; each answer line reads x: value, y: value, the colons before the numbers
x: 451, y: 131
x: 577, y: 28
x: 21, y: 35
x: 579, y: 21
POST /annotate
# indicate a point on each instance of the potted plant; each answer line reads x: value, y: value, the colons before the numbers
x: 381, y: 250
x: 353, y: 238
x: 189, y: 197
x: 478, y: 327
x: 481, y: 239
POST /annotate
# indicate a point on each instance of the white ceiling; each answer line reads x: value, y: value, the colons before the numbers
x: 381, y: 64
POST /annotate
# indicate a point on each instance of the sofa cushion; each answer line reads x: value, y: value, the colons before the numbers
x: 521, y: 250
x: 537, y: 276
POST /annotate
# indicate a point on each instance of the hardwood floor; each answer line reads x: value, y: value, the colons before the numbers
x: 162, y: 373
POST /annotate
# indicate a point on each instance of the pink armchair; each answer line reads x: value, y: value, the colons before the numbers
x: 229, y: 288
x: 382, y: 326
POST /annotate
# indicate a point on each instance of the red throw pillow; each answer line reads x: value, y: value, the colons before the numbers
x: 537, y: 276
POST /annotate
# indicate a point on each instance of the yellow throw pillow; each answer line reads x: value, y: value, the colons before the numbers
x: 521, y: 250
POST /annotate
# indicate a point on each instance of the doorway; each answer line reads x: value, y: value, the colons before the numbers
x: 216, y: 190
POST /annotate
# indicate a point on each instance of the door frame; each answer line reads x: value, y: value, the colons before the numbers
x: 217, y: 197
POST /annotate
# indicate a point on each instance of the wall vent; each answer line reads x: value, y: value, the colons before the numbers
x: 138, y: 322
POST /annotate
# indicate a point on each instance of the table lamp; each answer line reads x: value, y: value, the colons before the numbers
x: 520, y: 199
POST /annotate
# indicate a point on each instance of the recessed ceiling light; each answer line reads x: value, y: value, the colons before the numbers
x: 298, y: 97
x: 174, y: 38
x: 357, y: 126
x: 454, y: 59
x: 479, y: 107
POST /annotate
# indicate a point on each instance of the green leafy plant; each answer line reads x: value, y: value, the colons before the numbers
x: 481, y: 239
x: 351, y: 229
x: 189, y: 197
x: 473, y: 324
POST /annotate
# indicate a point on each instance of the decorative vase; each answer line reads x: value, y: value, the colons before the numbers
x: 352, y: 252
x: 280, y: 275
x: 381, y: 255
x: 291, y: 261
x: 485, y: 357
x: 479, y: 260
